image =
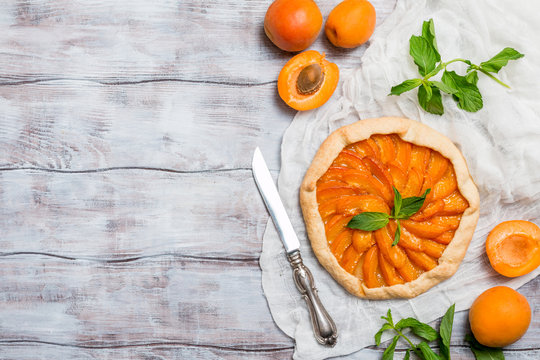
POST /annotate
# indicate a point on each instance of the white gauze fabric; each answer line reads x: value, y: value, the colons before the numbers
x: 500, y: 142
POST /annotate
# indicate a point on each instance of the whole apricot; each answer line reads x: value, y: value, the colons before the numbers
x: 293, y: 25
x: 350, y: 23
x: 499, y: 316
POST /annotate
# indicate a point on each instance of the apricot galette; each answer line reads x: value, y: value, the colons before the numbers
x: 389, y: 206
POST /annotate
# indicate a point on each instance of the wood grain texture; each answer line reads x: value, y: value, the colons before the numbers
x: 76, y: 125
x: 122, y: 215
x: 133, y: 41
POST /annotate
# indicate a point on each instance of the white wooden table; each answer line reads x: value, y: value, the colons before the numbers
x: 130, y: 223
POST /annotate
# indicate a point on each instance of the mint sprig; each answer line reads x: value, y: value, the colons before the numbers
x: 463, y: 88
x: 403, y: 209
x: 418, y: 328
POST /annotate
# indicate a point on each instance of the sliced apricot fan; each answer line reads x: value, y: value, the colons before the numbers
x: 513, y: 247
x: 307, y: 81
x: 360, y: 179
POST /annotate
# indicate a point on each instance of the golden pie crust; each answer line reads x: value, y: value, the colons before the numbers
x: 417, y: 134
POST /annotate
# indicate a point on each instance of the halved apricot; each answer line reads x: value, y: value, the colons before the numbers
x: 307, y: 81
x: 513, y: 247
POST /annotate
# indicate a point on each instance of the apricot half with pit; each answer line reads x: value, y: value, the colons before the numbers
x: 307, y: 81
x: 293, y: 25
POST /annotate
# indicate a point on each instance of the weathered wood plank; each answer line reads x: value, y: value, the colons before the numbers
x: 124, y: 214
x: 182, y: 126
x: 147, y: 302
x: 33, y: 351
x: 138, y: 40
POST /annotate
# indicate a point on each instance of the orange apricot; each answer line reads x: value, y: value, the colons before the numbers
x: 307, y: 81
x: 513, y: 247
x: 350, y: 23
x: 293, y: 25
x: 499, y: 316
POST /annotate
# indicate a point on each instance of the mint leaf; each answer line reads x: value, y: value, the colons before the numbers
x: 369, y: 221
x: 388, y: 317
x: 397, y: 202
x: 412, y: 204
x: 482, y: 352
x: 405, y: 86
x: 389, y: 352
x: 419, y: 328
x: 446, y: 332
x: 407, y: 355
x: 443, y: 87
x: 501, y: 59
x: 427, y: 352
x: 397, y: 235
x: 432, y: 103
x: 423, y: 54
x: 428, y: 33
x: 468, y: 96
x: 379, y: 333
x: 472, y: 77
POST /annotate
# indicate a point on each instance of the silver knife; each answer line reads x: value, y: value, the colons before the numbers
x: 324, y: 327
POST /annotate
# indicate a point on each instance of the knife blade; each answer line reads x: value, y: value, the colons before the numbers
x: 324, y: 328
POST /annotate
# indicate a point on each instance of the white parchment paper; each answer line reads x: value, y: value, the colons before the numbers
x: 500, y: 142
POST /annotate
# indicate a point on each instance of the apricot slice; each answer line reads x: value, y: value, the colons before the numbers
x: 355, y: 204
x: 389, y: 272
x: 454, y: 203
x: 371, y: 263
x: 307, y: 81
x: 350, y: 259
x: 419, y: 158
x: 386, y: 146
x: 421, y: 259
x: 513, y: 247
x: 327, y: 194
x: 349, y: 159
x: 403, y: 153
x: 293, y: 25
x: 377, y: 169
x: 342, y: 242
x: 350, y: 23
x: 362, y: 240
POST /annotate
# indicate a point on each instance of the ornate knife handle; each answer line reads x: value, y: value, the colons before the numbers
x: 324, y: 327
